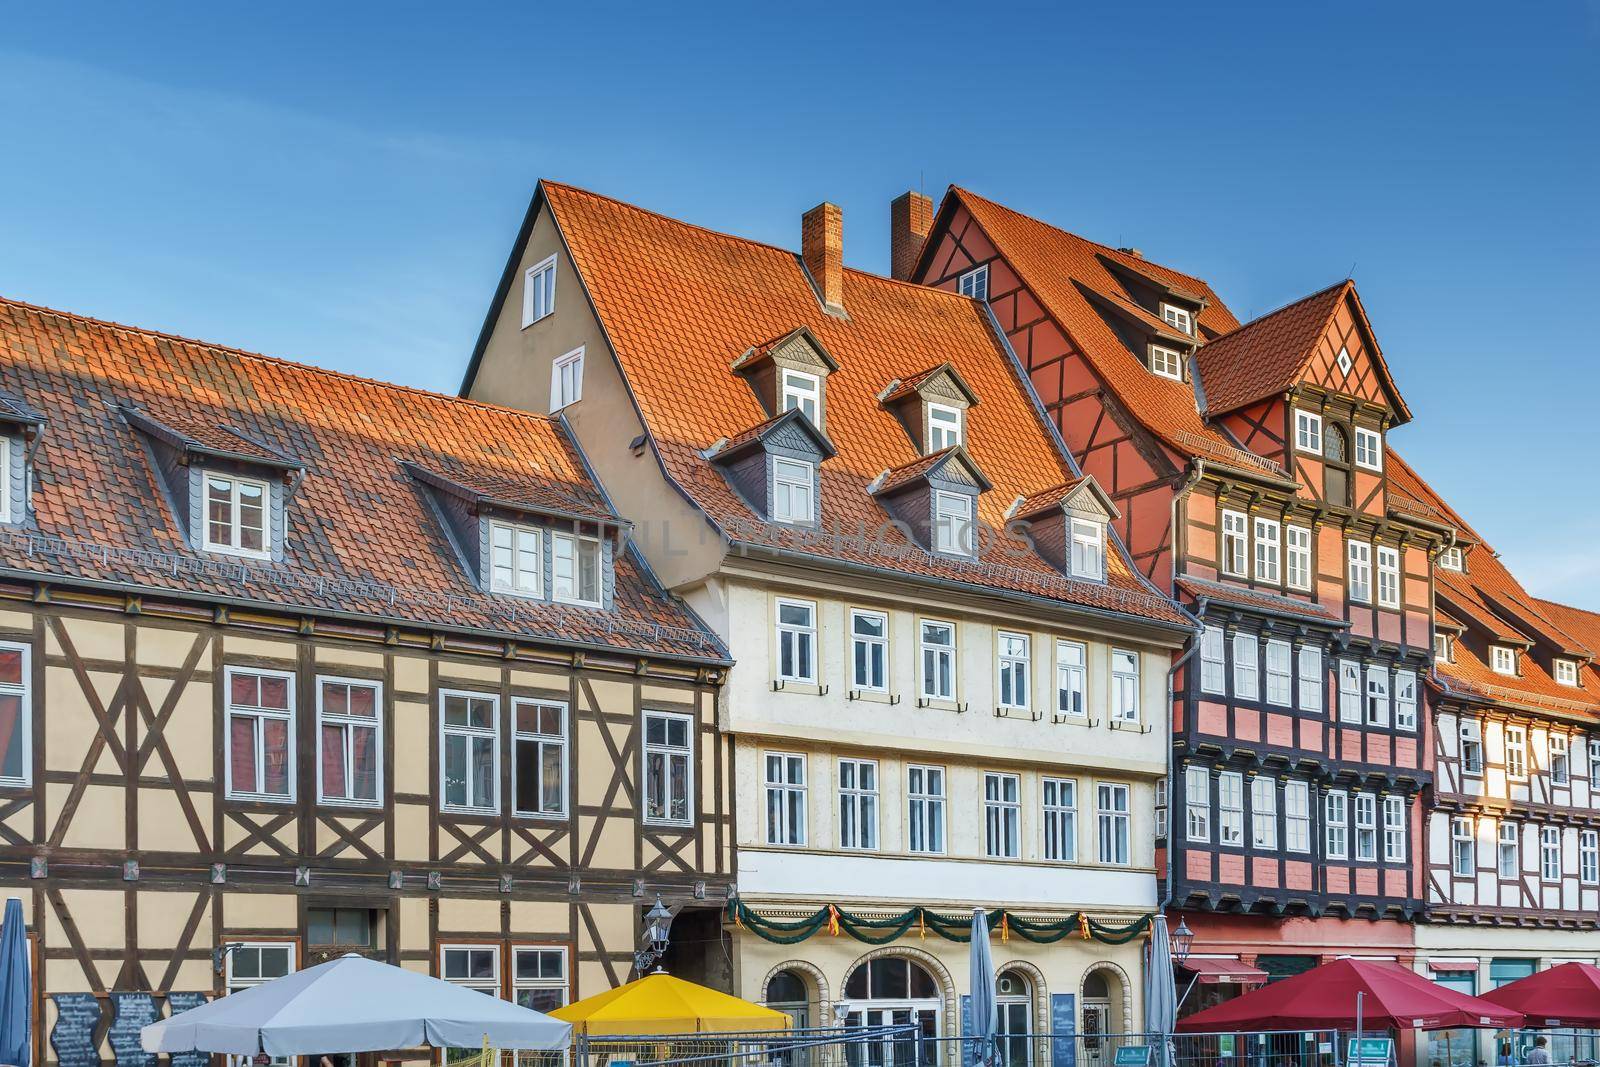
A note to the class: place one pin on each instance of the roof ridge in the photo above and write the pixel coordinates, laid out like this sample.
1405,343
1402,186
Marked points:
378,383
1564,604
1281,308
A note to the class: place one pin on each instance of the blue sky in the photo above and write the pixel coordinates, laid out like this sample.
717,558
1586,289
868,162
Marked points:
339,184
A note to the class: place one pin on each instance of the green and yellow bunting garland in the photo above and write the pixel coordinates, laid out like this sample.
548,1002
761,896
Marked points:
836,920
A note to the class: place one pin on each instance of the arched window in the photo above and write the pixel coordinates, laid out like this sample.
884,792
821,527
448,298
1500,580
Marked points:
787,992
1014,998
893,991
1336,465
890,978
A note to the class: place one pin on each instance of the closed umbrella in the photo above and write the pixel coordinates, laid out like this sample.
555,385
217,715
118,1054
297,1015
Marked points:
980,977
1160,993
16,990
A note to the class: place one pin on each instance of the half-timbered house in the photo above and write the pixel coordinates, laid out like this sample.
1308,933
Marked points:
1248,467
950,683
294,663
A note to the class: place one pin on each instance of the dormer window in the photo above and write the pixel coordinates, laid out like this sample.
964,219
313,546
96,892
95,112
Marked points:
8,445
975,283
516,559
1443,647
1178,318
575,563
1503,660
236,515
787,374
802,391
775,466
944,427
793,496
1567,671
1450,558
952,523
1088,549
1166,362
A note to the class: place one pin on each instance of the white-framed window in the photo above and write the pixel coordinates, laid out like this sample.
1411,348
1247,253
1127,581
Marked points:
1471,746
575,563
1088,549
938,660
349,741
797,641
925,801
516,559
1002,815
1124,685
801,390
1311,683
785,774
1297,816
1594,763
469,751
1589,856
1235,543
1377,695
1516,752
1405,699
1502,660
1394,829
539,758
1246,670
1369,449
1166,362
1560,765
1267,535
869,650
1178,318
1230,808
539,976
1567,671
975,283
1111,812
261,745
475,967
793,498
16,714
1298,554
1360,560
1263,812
1388,577
944,427
1072,678
1463,848
1509,852
668,768
858,803
1060,819
1161,809
1213,664
566,380
1450,558
1015,666
1280,682
236,516
1336,821
952,523
1197,802
1366,821
1349,691
253,963
538,291
1443,647
1550,853
1308,432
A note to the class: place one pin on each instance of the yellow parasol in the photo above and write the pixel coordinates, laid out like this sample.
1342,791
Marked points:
662,1004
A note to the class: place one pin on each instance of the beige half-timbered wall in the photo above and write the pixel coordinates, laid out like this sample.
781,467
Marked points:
133,865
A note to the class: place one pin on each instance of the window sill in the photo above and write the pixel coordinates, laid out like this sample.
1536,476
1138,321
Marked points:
259,798
1131,727
349,805
575,603
1074,720
537,321
789,685
662,824
940,705
1018,713
874,696
541,816
479,813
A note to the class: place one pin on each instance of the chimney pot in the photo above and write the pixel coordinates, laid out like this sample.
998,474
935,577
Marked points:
910,219
822,249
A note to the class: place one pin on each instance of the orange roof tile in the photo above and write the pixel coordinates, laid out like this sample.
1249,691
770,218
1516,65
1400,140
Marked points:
361,539
679,303
1267,355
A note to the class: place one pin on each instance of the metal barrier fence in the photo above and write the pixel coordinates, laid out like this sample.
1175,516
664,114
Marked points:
854,1046
1483,1048
1296,1048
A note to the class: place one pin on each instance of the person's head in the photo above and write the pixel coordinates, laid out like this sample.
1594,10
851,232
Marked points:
1539,1042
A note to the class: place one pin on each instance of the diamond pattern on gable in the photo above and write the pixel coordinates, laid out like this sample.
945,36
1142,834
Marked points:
1342,360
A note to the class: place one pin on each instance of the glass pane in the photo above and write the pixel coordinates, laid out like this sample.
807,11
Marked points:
333,763
455,963
11,666
794,614
364,760
483,772
455,769
550,720
246,963
242,753
243,690
275,692
363,701
275,758
320,926
11,754
550,798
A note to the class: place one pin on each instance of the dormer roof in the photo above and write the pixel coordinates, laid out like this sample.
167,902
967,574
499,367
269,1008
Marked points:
727,449
535,495
955,462
207,439
1138,317
1132,268
1078,496
940,383
15,411
798,345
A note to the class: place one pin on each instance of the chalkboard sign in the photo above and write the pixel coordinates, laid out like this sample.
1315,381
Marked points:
131,1012
1132,1056
1064,1030
77,1015
178,1002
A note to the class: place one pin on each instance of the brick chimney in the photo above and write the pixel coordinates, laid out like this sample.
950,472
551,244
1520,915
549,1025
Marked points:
822,249
910,219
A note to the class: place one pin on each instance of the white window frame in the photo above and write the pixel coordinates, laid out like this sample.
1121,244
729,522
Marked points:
1560,760
542,741
1405,700
948,538
1351,700
1213,660
259,715
538,298
1180,319
1002,815
23,691
1394,829
939,653
580,544
1377,695
794,480
1509,847
1550,853
1516,742
1072,678
1471,731
876,649
348,724
1369,449
1125,682
520,984
1263,812
1503,659
1246,666
1443,647
1230,809
1358,556
800,389
786,796
1308,432
566,380
1235,544
1269,548
1336,824
1297,816
1309,673
1297,557
1114,823
1161,809
1088,554
1589,857
1279,673
1013,669
863,801
1566,671
1166,362
975,282
1463,847
235,526
670,753
469,732
1197,802
946,427
1388,576
1450,558
1594,763
928,804
795,641
510,559
492,986
1366,826
1059,799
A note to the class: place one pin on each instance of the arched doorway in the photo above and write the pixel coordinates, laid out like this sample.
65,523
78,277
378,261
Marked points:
1014,998
788,992
1102,1013
893,991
